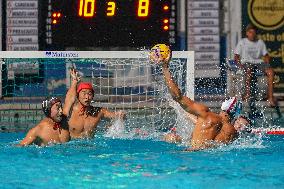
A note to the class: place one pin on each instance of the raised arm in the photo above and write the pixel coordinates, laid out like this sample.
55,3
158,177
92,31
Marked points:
192,118
30,137
71,93
186,103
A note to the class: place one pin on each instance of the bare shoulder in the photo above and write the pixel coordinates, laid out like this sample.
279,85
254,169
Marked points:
43,123
35,130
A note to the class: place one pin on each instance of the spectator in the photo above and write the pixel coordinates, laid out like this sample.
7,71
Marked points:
252,50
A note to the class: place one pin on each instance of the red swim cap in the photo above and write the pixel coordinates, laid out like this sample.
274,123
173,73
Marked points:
85,85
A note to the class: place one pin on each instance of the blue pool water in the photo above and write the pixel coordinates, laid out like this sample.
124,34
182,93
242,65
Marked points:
124,163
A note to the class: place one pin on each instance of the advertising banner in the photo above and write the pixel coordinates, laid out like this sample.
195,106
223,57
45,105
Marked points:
268,17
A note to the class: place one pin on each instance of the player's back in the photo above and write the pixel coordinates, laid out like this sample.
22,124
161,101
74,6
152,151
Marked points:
205,131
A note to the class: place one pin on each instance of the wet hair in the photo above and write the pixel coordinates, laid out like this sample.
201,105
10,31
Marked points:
47,104
250,27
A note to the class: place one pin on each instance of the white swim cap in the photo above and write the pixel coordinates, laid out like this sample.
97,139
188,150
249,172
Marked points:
229,105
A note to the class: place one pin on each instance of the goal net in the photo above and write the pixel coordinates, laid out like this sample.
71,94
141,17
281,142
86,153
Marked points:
123,80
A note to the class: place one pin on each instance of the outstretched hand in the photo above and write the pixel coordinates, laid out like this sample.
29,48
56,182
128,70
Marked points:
74,75
158,59
166,61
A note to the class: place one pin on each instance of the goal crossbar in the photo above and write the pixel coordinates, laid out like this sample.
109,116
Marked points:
188,55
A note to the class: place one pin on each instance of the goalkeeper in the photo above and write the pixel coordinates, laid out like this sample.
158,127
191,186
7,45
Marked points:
83,118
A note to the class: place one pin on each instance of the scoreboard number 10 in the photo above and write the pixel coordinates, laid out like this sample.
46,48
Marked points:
87,8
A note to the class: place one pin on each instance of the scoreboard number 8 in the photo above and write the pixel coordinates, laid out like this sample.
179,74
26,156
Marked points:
87,8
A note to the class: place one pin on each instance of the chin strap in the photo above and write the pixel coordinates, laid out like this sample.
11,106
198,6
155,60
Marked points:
173,129
57,126
83,109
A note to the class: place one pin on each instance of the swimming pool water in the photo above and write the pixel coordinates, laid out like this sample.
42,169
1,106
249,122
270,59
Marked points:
124,163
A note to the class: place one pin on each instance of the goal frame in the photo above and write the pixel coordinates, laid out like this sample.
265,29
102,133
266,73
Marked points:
188,55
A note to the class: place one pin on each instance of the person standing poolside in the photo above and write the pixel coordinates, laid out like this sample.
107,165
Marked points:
251,50
54,127
83,118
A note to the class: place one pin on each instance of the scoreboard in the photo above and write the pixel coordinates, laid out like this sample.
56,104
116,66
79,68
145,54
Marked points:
107,23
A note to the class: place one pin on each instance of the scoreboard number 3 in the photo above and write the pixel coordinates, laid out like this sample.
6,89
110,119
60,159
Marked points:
87,8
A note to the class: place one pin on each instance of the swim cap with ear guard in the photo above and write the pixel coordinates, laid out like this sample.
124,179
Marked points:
47,104
232,106
229,105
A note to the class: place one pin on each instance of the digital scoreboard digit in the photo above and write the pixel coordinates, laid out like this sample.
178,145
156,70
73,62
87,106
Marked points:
109,23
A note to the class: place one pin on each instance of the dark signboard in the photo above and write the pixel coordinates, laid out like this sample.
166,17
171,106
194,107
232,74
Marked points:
105,23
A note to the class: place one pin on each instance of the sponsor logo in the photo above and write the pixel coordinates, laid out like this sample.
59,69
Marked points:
266,14
61,54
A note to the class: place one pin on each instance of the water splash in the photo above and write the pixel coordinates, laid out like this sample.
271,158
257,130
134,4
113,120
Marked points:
116,130
184,126
119,130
